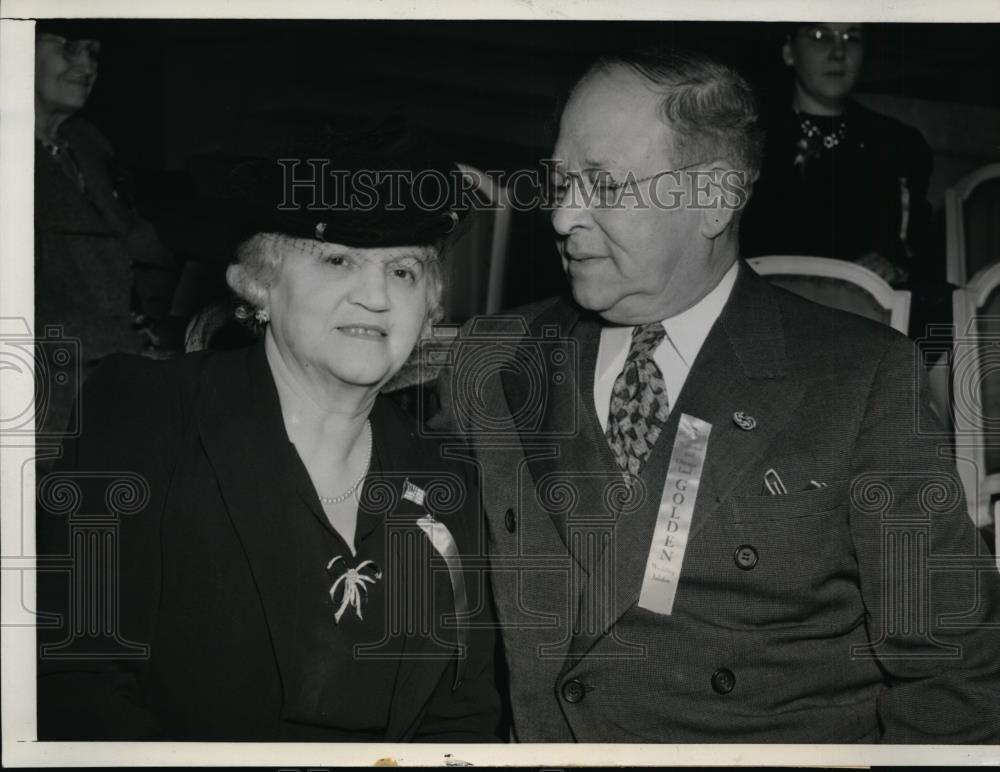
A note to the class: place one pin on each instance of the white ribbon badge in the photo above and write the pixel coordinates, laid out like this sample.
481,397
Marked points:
444,543
673,520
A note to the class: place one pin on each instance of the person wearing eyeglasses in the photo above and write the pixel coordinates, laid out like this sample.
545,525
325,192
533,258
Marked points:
711,514
103,277
840,180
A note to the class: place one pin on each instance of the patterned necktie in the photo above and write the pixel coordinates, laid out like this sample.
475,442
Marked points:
639,404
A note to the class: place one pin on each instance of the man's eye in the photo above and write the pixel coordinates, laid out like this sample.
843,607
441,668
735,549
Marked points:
557,190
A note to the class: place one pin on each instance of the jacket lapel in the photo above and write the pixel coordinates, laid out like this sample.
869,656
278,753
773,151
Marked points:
741,367
566,423
424,658
244,437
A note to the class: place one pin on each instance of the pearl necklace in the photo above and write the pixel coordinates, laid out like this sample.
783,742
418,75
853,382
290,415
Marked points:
330,500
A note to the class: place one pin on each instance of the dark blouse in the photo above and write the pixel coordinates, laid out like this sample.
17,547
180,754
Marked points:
857,185
333,687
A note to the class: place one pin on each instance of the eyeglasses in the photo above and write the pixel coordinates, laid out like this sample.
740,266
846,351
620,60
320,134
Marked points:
824,36
599,188
72,49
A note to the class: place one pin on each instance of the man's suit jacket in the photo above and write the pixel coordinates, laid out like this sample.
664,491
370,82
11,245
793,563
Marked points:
182,464
853,612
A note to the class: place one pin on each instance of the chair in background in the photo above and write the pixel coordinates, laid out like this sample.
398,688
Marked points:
850,287
214,327
839,284
477,257
976,394
972,222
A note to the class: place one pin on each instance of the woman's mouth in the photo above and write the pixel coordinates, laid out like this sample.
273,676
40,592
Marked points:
364,331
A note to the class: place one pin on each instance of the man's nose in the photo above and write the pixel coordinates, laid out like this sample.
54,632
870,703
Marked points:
571,213
838,50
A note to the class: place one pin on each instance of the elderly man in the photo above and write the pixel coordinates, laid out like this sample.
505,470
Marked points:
712,515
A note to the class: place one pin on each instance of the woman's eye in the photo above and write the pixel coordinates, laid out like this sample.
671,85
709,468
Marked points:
405,274
336,260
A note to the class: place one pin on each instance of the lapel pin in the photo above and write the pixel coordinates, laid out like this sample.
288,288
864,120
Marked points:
413,493
746,422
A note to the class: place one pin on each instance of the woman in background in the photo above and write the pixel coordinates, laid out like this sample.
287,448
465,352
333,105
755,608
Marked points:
103,278
840,180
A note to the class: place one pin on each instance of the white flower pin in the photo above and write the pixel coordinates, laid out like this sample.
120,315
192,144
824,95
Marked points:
353,581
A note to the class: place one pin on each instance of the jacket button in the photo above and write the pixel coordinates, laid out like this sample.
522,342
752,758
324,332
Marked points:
745,556
573,691
723,681
509,520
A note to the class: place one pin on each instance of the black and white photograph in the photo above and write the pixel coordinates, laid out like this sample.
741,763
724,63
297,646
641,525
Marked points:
508,385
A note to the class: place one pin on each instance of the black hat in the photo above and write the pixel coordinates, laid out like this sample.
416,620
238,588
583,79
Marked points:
72,29
373,188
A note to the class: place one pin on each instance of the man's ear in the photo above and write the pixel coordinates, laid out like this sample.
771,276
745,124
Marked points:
714,200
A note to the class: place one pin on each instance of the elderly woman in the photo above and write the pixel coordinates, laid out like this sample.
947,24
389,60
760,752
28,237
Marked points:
103,277
294,557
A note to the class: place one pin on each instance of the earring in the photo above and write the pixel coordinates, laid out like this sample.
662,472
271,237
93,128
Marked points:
262,316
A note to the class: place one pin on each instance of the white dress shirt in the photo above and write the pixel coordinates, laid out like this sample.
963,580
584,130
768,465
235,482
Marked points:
686,334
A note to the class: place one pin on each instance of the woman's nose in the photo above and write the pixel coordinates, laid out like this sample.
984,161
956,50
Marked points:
838,50
81,54
84,61
371,289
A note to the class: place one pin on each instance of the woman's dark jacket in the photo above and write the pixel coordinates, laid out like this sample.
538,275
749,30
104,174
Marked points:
184,477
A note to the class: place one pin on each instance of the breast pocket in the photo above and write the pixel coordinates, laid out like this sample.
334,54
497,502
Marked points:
790,506
788,559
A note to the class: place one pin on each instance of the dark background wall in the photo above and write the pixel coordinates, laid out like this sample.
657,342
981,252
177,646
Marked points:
176,95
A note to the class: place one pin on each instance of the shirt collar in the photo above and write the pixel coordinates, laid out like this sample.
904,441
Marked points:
688,330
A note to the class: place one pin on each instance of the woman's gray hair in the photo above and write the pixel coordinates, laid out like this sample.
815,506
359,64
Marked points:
258,265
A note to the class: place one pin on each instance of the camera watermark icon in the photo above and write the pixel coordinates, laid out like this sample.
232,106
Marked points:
42,380
971,359
502,380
